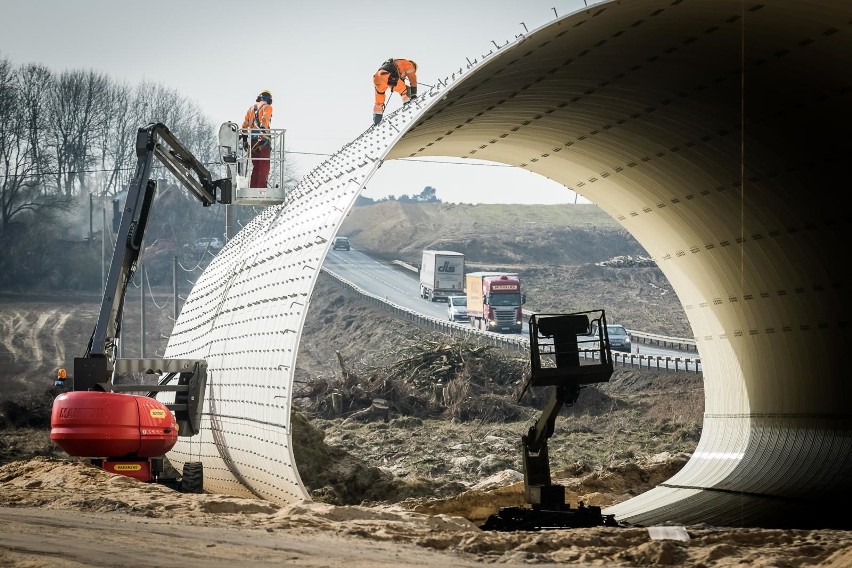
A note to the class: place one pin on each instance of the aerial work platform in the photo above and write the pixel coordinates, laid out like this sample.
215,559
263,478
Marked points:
238,158
566,355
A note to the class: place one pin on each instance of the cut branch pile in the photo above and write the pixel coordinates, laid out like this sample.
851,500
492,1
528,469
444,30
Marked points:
429,377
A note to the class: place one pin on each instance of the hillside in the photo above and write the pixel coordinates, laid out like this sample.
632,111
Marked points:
508,235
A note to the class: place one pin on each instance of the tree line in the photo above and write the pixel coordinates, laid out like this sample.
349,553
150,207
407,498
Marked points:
428,195
67,154
67,150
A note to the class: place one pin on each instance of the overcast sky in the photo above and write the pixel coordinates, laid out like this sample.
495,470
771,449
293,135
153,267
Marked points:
317,57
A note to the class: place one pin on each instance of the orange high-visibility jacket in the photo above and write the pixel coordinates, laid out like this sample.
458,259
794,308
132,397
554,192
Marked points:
258,118
395,77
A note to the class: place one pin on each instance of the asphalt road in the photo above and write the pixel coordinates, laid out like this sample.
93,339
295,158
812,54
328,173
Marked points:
401,286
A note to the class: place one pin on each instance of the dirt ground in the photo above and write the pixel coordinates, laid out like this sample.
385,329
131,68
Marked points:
411,490
59,513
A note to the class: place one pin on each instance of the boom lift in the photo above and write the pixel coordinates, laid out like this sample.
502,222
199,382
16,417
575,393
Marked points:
125,433
557,342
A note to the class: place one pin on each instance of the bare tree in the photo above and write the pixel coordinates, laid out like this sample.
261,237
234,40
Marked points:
33,83
66,136
76,109
123,117
19,158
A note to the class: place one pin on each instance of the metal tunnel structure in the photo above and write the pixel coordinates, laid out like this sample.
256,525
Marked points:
715,132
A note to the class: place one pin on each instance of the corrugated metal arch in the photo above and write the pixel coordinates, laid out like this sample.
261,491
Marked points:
707,129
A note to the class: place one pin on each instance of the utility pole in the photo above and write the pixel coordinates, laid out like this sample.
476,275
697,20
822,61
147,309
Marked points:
142,308
103,250
91,215
229,222
174,286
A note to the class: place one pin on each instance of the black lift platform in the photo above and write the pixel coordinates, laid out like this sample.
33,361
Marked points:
566,355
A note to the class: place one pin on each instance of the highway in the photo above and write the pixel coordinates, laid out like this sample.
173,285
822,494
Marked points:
394,285
401,287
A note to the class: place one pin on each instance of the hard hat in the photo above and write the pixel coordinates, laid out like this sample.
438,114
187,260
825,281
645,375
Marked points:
266,92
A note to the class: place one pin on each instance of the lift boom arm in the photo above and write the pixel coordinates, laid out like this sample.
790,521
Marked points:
555,340
152,141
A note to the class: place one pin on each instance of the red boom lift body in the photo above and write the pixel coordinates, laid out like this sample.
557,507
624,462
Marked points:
122,432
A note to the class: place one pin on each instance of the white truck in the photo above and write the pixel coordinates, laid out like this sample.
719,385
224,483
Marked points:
441,274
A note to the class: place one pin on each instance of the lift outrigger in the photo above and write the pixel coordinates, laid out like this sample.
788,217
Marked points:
566,356
99,419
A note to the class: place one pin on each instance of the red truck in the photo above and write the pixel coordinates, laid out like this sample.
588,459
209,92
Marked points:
494,301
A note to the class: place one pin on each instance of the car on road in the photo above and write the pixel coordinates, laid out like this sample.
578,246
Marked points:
457,308
619,337
341,243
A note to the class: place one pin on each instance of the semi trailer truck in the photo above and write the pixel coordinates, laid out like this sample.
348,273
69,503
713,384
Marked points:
441,274
494,301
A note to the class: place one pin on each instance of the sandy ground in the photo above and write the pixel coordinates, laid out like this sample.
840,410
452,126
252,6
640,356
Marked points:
61,513
58,512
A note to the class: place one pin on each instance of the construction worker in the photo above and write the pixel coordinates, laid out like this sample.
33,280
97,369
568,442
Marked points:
258,119
393,74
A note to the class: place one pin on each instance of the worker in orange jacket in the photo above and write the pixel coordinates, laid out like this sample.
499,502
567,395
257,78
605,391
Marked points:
258,119
394,74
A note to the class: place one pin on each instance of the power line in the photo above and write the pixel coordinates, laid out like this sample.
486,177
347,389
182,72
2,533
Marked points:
111,170
455,163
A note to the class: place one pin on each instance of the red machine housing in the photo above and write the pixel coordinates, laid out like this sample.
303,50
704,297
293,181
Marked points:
112,425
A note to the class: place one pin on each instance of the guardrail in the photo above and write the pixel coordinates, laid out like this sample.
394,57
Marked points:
680,343
504,341
406,266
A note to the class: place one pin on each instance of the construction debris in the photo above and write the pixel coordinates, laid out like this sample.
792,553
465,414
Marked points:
435,376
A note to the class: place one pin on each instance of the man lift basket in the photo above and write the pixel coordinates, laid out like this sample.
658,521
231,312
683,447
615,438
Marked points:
238,160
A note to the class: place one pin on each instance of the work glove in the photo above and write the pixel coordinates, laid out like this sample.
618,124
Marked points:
377,118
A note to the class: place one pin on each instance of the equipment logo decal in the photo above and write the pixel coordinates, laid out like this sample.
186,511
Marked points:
158,413
127,467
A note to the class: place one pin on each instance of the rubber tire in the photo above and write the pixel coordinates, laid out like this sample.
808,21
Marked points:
192,480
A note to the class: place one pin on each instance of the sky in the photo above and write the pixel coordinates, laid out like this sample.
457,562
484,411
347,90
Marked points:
316,57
